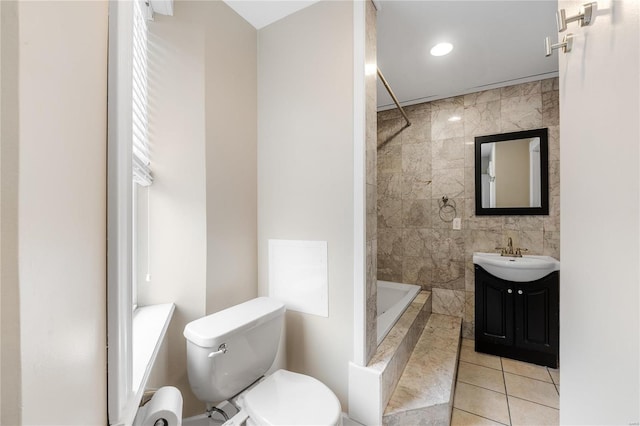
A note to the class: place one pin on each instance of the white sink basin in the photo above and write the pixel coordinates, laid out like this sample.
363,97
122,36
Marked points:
519,269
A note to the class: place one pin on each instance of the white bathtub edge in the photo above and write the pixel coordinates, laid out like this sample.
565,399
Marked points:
386,321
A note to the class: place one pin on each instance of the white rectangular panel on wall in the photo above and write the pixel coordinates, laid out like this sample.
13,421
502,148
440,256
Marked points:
298,275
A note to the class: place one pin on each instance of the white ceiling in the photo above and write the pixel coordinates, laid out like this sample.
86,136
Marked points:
496,43
261,13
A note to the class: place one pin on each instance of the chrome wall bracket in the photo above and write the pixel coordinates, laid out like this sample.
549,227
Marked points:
565,45
584,16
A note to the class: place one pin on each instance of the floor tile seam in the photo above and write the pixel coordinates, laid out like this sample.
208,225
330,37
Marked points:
553,380
527,377
475,363
504,382
549,374
482,387
478,415
528,400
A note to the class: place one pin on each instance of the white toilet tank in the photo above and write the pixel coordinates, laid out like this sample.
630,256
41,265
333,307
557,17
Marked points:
250,333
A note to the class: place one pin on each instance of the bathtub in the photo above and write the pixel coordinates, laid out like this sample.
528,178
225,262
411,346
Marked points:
393,299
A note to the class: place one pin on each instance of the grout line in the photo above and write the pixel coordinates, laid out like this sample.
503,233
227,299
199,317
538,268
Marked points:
479,365
504,382
533,402
525,399
490,390
478,415
502,368
482,387
550,376
475,363
527,377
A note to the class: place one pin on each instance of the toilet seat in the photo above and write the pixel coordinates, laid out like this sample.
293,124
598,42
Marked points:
287,398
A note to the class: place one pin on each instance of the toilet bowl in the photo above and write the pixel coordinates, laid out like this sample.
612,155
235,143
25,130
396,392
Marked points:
227,352
287,398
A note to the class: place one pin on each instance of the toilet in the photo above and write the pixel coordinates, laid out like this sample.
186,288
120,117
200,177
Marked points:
228,354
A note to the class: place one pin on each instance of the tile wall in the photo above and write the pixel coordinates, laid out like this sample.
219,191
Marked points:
371,172
434,157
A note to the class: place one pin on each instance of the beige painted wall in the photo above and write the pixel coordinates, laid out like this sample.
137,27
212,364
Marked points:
203,142
231,154
305,172
177,199
10,385
62,211
0,214
512,173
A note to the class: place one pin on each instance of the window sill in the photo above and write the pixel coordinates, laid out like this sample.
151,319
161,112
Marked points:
150,324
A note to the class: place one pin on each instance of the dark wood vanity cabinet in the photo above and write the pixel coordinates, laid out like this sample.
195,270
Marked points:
518,320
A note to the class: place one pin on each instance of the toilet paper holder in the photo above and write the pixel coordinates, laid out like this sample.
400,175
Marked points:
163,409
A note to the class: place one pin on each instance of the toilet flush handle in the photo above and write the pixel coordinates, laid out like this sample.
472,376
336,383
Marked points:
222,349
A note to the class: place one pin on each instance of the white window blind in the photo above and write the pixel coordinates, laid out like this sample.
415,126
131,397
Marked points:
141,157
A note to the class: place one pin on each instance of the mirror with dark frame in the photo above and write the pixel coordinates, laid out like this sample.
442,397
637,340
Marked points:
511,173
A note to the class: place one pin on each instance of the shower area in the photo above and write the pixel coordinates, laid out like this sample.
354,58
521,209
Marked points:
421,229
426,232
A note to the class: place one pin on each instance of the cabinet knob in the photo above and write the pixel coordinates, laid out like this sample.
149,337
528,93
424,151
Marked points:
509,291
519,291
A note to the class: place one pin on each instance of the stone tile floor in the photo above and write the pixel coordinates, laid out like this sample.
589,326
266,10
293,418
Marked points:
492,390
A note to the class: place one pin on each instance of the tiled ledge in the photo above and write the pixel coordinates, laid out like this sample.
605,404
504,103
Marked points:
394,351
371,387
427,385
401,330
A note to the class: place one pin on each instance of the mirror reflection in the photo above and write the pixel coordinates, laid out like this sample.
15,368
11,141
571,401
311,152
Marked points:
511,173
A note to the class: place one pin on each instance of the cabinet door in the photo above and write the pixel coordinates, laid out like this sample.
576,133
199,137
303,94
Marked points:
537,314
494,309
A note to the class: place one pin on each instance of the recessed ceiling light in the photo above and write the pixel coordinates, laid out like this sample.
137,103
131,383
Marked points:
441,49
455,118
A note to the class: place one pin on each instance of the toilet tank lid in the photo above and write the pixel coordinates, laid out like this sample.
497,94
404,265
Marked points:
211,330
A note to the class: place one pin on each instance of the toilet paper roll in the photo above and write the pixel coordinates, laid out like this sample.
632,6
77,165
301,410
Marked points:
164,408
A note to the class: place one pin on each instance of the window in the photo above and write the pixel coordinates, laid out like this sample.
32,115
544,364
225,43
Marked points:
141,163
128,169
141,158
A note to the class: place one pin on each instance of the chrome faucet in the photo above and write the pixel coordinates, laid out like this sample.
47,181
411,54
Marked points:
509,251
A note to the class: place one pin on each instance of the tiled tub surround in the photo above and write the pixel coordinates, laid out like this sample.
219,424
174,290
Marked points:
433,157
424,395
371,172
371,387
